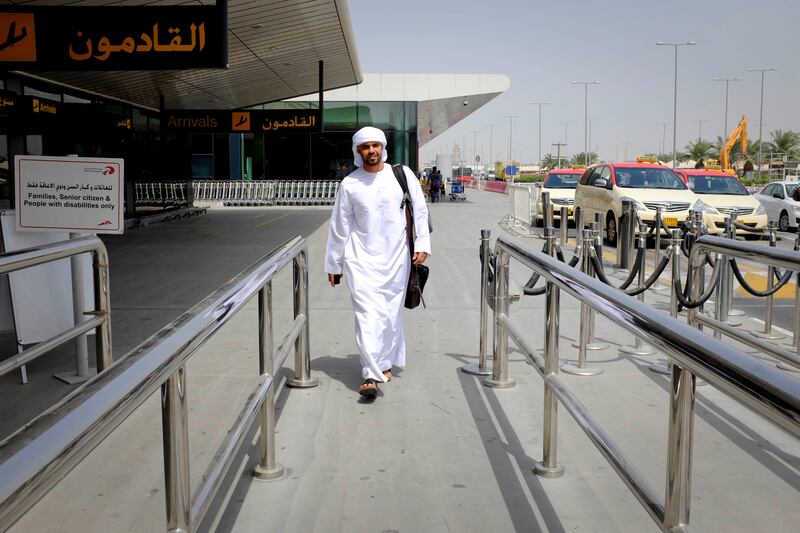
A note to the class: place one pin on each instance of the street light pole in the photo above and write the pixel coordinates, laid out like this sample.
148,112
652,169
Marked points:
700,131
663,135
491,138
586,116
510,132
727,83
761,112
540,104
590,131
675,99
565,130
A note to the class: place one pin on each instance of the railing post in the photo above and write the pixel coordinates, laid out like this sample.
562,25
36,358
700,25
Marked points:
578,226
564,227
499,378
663,367
592,343
657,248
302,352
622,235
768,333
482,369
639,348
102,303
731,311
585,327
548,466
547,210
679,450
176,452
267,468
724,296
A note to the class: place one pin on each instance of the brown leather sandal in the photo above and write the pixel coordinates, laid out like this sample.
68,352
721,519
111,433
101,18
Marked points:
388,375
369,388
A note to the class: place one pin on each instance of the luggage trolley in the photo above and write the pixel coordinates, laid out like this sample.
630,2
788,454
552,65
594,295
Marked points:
457,191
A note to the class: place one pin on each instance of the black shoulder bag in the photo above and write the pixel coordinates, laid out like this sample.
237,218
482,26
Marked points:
418,275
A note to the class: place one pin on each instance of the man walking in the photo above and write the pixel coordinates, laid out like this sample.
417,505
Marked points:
368,244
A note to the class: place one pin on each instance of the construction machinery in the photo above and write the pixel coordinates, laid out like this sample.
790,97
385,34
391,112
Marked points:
739,133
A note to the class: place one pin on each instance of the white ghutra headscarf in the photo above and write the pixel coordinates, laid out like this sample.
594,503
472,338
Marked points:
364,135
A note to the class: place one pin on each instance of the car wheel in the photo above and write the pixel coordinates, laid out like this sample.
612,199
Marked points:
783,221
611,229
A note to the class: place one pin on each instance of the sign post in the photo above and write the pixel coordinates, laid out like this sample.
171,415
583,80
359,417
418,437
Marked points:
75,195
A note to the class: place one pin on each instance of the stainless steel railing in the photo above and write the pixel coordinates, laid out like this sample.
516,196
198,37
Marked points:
764,255
759,386
101,321
39,455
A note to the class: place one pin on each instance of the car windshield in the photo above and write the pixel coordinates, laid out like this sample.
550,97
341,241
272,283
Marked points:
562,181
709,184
648,178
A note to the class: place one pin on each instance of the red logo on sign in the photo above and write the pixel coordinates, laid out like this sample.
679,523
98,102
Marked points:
108,170
105,223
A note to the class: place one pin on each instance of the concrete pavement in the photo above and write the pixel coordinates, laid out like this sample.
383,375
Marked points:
437,451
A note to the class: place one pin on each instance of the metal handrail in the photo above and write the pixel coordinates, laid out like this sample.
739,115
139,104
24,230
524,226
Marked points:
759,386
46,253
764,255
35,458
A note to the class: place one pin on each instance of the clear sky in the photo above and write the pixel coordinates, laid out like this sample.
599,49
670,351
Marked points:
544,46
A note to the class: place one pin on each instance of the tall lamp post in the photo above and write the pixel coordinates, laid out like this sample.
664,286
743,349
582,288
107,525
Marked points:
491,138
700,131
565,124
586,116
540,104
590,132
510,132
663,135
761,112
675,99
727,83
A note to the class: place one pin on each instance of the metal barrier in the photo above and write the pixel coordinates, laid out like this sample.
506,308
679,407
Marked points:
760,387
771,256
101,314
238,193
520,212
39,455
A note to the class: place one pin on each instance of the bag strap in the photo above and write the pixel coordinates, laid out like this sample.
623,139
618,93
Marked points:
400,174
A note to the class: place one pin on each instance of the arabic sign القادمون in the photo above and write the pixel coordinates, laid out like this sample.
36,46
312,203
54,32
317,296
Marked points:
114,38
255,121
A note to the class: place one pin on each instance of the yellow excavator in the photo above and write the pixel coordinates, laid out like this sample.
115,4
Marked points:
738,133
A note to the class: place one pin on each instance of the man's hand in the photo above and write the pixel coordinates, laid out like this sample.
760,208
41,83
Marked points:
419,257
330,280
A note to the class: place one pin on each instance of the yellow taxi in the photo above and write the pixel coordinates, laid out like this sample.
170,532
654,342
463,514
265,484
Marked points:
560,183
648,184
724,193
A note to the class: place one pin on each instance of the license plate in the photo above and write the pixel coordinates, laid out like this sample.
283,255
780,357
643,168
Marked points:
672,222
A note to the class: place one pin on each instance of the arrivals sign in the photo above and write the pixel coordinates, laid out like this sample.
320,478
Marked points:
74,194
278,121
114,38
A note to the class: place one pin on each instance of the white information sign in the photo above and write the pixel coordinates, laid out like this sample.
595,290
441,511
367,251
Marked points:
74,194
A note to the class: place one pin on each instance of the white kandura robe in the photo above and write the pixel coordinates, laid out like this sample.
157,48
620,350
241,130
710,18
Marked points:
367,242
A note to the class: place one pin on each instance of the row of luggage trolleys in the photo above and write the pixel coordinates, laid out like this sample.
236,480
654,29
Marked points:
161,193
266,192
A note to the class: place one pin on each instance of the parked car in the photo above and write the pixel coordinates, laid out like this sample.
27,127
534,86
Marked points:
776,198
726,194
491,176
648,184
560,183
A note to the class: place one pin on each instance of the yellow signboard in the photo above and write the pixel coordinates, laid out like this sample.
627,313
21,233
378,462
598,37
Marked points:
17,37
240,121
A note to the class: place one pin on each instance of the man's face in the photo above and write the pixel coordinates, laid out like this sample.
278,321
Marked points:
371,152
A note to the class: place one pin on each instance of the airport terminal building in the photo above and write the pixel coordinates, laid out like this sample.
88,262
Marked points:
177,124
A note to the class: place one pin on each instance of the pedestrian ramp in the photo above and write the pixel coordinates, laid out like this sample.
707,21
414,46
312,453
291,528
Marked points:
243,415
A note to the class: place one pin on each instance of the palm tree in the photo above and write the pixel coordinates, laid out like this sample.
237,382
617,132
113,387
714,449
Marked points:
784,142
580,158
551,161
698,150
